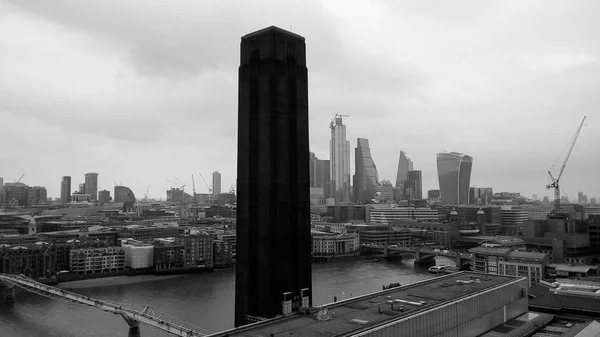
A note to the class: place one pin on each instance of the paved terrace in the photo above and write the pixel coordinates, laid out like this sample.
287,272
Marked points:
354,315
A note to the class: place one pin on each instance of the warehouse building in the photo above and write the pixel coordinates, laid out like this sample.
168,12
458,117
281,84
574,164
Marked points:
461,304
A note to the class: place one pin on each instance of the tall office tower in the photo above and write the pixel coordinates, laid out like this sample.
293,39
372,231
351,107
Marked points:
273,268
216,183
1,190
319,174
433,195
103,197
415,181
339,161
366,179
123,194
454,174
37,195
480,195
81,188
65,189
404,166
91,185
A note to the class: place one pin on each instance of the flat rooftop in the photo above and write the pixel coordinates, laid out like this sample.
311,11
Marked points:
355,314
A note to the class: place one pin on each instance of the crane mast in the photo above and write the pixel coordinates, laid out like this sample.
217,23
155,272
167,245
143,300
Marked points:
195,200
21,177
554,183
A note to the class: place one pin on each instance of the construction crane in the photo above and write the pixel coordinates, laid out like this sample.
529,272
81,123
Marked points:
171,183
553,181
195,200
21,177
332,123
146,194
205,183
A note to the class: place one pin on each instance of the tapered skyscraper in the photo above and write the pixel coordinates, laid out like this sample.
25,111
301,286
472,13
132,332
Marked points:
404,166
454,174
366,178
339,163
273,268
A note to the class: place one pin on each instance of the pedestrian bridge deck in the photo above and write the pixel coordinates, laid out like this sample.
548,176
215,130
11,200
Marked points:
132,316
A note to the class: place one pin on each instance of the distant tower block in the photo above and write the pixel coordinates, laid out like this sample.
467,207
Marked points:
216,181
273,268
91,185
65,189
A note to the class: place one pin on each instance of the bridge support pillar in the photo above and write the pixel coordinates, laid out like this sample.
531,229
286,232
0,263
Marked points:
7,293
424,263
134,332
134,326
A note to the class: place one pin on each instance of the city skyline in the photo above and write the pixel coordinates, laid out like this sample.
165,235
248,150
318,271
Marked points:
492,83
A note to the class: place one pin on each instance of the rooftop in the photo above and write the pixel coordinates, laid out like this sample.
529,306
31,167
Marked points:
506,251
572,268
272,29
363,312
503,240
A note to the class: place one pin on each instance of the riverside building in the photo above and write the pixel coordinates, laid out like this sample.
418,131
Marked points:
505,261
461,304
97,260
273,267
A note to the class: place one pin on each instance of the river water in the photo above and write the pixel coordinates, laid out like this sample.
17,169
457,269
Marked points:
203,300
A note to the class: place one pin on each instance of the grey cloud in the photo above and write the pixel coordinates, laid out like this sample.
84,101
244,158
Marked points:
180,39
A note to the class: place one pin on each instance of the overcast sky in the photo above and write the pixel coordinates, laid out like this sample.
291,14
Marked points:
141,91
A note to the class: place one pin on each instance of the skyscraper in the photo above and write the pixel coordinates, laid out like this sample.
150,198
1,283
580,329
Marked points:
339,160
415,181
81,189
366,178
103,197
37,195
123,194
216,183
320,174
454,174
65,189
404,165
273,268
1,190
91,185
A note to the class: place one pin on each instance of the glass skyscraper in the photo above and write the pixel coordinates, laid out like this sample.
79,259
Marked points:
216,183
454,174
340,161
365,176
65,189
91,185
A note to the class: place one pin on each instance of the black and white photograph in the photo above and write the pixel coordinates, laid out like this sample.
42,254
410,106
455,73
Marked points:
299,168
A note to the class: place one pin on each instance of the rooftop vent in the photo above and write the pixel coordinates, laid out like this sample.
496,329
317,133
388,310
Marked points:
359,321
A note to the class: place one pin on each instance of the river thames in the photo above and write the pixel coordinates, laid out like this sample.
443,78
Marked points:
202,300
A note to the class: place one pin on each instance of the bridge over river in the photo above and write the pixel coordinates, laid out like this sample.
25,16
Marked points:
132,316
422,255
